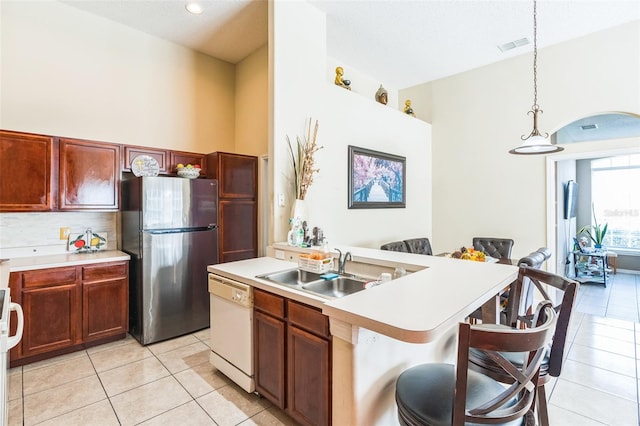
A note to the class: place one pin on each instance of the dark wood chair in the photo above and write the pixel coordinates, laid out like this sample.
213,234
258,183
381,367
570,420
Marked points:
444,394
552,363
535,260
395,246
499,248
419,246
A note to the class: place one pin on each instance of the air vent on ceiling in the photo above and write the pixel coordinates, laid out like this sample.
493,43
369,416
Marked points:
589,127
513,44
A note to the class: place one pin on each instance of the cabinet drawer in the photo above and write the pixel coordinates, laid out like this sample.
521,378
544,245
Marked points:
269,303
49,277
103,272
308,318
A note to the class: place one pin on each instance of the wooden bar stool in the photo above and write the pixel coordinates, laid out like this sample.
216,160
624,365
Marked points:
444,394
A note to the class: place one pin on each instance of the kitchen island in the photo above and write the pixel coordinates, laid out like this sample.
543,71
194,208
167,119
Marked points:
380,332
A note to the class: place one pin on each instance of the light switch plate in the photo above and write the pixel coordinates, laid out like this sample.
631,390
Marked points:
64,232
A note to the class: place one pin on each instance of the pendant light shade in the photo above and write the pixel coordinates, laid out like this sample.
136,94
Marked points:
536,142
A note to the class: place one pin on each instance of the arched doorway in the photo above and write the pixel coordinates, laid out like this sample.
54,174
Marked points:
614,134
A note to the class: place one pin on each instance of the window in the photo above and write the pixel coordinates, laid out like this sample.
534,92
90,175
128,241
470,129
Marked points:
616,199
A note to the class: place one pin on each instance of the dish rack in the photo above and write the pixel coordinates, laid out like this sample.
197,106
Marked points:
319,266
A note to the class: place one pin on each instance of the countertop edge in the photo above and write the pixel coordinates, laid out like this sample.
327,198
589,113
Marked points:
20,264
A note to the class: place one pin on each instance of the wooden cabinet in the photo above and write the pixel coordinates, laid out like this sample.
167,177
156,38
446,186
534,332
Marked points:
131,152
105,293
238,229
26,175
237,177
178,157
237,174
50,300
68,308
89,175
292,355
269,343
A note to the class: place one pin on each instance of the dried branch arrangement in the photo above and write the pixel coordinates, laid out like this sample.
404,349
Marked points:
303,162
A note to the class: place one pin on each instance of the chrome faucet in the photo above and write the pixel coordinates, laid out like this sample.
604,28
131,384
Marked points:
342,260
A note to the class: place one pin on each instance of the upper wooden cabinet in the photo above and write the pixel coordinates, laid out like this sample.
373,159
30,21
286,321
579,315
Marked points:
131,152
89,175
237,174
26,179
237,177
178,157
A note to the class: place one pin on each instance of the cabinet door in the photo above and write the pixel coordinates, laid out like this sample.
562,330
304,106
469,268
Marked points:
269,357
51,305
105,292
309,371
237,174
26,172
131,152
185,158
238,230
89,175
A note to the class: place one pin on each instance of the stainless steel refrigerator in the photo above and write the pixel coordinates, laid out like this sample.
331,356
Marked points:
169,228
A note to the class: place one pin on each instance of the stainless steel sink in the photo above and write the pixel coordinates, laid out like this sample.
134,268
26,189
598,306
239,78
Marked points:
312,282
296,277
337,287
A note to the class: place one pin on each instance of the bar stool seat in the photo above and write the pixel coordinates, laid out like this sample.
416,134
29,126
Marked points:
438,394
424,392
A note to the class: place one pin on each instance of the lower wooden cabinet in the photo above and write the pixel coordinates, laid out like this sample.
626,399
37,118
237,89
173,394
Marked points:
68,308
292,357
269,358
105,296
50,300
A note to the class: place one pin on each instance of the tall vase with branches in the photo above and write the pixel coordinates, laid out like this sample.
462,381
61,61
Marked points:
302,160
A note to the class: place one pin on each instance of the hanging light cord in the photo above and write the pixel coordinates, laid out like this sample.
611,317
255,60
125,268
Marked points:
535,109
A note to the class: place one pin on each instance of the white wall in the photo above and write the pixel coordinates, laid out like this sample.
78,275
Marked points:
66,72
302,88
477,116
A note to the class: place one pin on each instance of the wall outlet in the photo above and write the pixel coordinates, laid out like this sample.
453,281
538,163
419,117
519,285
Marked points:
64,233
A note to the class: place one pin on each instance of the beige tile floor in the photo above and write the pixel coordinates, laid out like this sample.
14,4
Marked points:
172,382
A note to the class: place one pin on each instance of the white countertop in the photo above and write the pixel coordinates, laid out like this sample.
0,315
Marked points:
67,259
416,308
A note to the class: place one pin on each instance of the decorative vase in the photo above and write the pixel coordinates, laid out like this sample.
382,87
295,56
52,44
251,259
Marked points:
299,210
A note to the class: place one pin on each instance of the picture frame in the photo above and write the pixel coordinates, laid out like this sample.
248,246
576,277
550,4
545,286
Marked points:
376,179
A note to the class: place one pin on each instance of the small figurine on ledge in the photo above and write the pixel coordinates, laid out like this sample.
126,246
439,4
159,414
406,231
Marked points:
407,108
340,81
381,95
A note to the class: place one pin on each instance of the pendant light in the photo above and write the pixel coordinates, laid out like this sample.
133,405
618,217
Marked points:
536,142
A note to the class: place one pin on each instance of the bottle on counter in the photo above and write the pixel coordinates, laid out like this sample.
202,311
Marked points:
295,237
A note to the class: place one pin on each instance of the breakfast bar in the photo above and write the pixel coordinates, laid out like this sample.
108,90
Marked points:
380,332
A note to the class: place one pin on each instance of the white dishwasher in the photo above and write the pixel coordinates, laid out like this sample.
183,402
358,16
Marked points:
231,311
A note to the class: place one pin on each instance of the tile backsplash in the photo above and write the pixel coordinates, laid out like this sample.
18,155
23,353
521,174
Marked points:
32,234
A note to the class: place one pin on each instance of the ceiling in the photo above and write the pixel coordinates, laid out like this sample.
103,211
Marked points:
400,42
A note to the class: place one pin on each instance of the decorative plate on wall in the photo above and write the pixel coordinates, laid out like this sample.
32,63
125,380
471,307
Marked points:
145,165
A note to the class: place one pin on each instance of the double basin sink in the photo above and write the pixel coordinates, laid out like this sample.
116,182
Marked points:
339,286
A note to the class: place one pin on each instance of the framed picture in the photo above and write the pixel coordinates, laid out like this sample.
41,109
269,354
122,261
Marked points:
376,180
